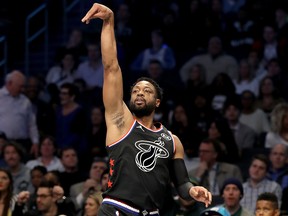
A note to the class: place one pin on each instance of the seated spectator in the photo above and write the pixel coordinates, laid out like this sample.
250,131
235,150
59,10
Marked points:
13,157
244,136
210,173
232,192
50,201
257,183
91,69
64,71
268,97
43,111
215,61
70,120
251,116
7,197
246,79
72,173
79,191
158,50
278,169
92,205
47,156
267,202
220,132
37,176
221,89
279,126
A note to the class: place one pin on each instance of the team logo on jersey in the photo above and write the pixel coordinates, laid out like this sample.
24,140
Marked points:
146,158
166,137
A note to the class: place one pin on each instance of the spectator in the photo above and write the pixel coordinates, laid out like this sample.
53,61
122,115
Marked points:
210,173
158,50
64,71
269,96
267,203
48,157
18,121
215,61
244,136
81,190
246,79
215,211
13,156
3,140
278,169
91,69
70,120
232,192
72,173
43,111
257,183
220,132
251,116
279,126
92,205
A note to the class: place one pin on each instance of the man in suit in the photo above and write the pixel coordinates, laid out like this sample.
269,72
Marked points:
79,191
210,173
245,136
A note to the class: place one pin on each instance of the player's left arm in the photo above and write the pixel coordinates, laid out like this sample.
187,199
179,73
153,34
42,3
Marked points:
181,180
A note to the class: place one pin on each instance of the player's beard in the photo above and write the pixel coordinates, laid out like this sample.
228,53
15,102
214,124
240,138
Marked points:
142,111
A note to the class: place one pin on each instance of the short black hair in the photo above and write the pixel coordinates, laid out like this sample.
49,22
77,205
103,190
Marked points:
40,168
263,158
271,197
159,90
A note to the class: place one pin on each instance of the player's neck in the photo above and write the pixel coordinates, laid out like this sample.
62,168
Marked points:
147,121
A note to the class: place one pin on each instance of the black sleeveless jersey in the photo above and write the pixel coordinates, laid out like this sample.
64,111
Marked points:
139,166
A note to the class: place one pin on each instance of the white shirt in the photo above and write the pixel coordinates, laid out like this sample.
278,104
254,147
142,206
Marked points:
55,164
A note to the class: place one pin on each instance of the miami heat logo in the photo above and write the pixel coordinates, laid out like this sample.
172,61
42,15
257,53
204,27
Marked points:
146,158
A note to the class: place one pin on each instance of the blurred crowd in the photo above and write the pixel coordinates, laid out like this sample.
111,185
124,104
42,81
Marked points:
223,67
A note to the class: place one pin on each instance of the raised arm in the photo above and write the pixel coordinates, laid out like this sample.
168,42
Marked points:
113,84
118,117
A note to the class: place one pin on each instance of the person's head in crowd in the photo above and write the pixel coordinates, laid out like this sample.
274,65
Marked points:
267,87
69,61
208,151
3,140
6,190
279,118
273,67
15,83
258,168
69,159
157,38
155,69
197,74
80,84
215,46
278,156
267,205
53,176
222,84
232,192
92,205
13,153
269,34
32,88
45,200
231,110
105,179
97,116
245,71
47,147
37,175
68,93
247,99
97,168
94,51
215,211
